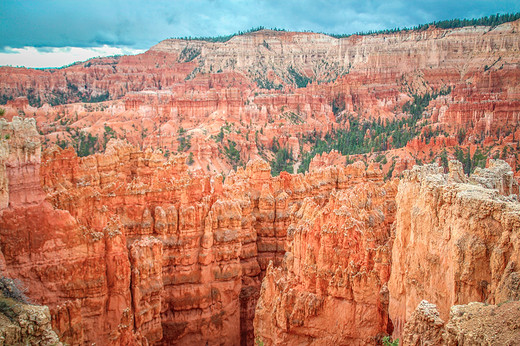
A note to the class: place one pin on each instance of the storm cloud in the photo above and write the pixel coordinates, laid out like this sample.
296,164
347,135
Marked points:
140,24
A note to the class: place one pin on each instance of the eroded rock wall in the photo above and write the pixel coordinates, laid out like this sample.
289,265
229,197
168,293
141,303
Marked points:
331,286
342,280
135,243
26,324
129,247
456,240
472,324
255,86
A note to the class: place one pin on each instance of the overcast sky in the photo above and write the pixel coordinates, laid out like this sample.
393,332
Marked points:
50,33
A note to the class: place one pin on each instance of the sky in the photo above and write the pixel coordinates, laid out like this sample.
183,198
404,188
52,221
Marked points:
53,33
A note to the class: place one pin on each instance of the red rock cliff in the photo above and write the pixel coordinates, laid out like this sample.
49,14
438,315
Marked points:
159,254
456,240
135,240
331,287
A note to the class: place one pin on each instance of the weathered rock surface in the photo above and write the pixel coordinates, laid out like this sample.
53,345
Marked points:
20,152
331,287
471,324
174,253
424,327
456,240
153,252
129,247
29,325
83,275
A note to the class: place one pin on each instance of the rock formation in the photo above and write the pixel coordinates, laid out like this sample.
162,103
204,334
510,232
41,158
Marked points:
455,242
63,263
331,287
267,85
456,239
166,236
163,255
471,324
30,326
22,323
159,254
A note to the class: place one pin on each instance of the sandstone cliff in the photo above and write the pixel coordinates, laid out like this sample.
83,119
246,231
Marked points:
22,323
456,239
455,242
331,287
61,262
31,326
130,247
155,252
170,251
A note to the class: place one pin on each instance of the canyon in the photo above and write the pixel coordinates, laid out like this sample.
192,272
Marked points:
230,102
157,253
162,255
154,199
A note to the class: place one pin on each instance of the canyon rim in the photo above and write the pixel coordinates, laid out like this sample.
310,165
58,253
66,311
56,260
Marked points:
271,187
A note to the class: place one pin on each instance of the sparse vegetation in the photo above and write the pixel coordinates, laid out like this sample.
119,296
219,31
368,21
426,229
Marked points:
390,171
13,289
338,104
232,154
372,136
188,54
444,160
283,160
470,163
264,83
299,79
33,98
493,20
184,140
109,133
190,159
4,98
83,143
12,294
362,137
224,38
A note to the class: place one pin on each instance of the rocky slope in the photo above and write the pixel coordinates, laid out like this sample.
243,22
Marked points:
471,324
60,262
456,239
22,323
159,254
30,326
162,255
343,281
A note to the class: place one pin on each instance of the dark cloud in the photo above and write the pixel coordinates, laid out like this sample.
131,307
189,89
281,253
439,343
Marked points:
141,24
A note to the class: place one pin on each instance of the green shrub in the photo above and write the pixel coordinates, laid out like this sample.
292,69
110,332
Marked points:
387,341
190,159
492,21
